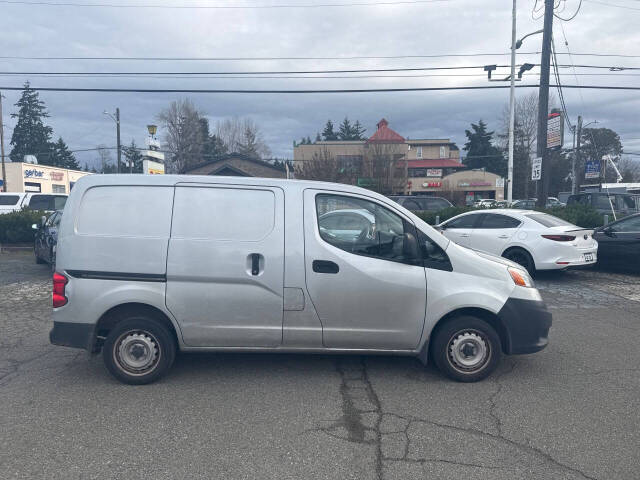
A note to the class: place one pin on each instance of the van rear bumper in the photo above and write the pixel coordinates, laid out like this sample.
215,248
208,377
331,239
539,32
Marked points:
76,335
527,324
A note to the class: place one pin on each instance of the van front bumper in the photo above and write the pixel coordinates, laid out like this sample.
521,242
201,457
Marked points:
76,335
527,324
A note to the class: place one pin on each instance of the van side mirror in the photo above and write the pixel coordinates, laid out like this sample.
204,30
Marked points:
410,247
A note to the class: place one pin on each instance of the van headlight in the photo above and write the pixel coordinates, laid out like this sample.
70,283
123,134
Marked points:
520,277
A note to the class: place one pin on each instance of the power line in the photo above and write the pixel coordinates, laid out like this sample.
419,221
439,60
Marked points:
297,72
559,85
357,90
260,59
572,16
222,7
612,5
316,77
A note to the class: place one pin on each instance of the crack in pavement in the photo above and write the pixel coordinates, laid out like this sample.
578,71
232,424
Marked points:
364,421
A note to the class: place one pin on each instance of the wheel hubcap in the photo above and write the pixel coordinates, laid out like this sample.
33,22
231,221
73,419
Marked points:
137,352
468,351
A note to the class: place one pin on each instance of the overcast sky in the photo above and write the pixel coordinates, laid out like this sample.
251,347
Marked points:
441,27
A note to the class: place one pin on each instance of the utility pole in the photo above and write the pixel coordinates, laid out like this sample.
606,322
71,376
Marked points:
512,106
576,157
118,136
4,171
543,102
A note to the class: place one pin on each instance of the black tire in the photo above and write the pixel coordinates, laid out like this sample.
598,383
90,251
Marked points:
136,335
475,334
521,257
39,261
52,259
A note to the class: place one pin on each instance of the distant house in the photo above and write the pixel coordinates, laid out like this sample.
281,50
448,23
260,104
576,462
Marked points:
237,165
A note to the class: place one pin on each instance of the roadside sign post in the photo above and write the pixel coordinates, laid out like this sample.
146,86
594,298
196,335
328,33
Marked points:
536,168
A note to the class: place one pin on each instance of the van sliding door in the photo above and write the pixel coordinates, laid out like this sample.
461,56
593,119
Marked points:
225,268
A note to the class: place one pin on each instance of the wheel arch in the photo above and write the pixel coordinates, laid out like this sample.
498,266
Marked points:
520,247
114,315
484,314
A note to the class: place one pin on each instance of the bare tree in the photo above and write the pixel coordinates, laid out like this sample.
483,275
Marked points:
183,135
104,159
629,169
322,166
242,135
385,165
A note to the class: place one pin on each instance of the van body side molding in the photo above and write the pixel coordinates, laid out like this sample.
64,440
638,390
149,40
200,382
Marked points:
131,277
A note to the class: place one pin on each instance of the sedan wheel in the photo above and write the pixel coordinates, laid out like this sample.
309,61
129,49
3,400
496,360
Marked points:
521,257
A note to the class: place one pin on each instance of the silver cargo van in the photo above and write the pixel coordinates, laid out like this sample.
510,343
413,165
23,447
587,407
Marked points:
149,265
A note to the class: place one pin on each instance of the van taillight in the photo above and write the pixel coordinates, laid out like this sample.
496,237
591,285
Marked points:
59,283
560,238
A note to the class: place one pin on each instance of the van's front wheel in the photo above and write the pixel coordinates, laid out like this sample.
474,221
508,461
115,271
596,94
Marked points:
138,350
466,349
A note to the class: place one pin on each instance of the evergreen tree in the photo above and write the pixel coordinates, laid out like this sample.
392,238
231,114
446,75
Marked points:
31,136
213,147
346,131
358,131
61,156
133,156
328,134
318,138
249,144
481,152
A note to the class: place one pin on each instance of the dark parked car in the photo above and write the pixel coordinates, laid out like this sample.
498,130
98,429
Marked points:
46,238
623,203
619,244
528,204
415,203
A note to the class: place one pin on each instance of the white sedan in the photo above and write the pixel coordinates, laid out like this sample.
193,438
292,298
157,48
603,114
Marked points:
535,240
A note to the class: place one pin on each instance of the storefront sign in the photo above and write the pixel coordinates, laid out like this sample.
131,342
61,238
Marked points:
555,131
434,172
474,184
57,176
33,173
432,184
149,167
592,169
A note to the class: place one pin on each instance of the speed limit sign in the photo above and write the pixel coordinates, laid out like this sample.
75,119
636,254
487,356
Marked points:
536,168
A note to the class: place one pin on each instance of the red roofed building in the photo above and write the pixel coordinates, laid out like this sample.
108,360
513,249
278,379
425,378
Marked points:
386,162
385,135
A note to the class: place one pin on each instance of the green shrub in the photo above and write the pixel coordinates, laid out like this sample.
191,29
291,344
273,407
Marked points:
444,214
15,227
584,216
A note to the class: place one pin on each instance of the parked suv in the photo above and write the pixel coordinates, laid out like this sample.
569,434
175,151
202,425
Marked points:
48,202
46,237
622,203
417,203
151,264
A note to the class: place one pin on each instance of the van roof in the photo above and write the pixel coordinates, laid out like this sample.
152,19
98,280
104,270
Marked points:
170,180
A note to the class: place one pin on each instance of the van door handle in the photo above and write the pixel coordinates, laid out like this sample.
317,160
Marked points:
255,264
464,235
503,236
325,266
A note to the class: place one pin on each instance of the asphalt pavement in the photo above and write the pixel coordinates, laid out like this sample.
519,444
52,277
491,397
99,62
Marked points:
571,411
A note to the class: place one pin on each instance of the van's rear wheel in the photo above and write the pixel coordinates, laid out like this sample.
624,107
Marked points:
466,349
138,350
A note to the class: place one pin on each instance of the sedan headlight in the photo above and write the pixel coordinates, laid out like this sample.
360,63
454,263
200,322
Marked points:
520,277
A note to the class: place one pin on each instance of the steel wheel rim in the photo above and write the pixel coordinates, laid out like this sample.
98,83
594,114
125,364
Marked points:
469,351
137,352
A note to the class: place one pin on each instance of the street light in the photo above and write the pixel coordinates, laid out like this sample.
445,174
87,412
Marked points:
515,44
117,120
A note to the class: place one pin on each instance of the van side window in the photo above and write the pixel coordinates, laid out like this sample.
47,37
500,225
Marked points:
363,228
433,256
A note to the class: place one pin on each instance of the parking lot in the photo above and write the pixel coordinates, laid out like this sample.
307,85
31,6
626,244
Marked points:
569,412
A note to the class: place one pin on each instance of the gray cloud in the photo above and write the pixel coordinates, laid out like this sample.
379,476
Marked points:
458,26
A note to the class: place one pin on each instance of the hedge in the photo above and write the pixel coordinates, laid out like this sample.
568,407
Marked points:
15,227
582,215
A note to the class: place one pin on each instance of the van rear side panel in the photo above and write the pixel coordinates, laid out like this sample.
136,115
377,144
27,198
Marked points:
118,229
